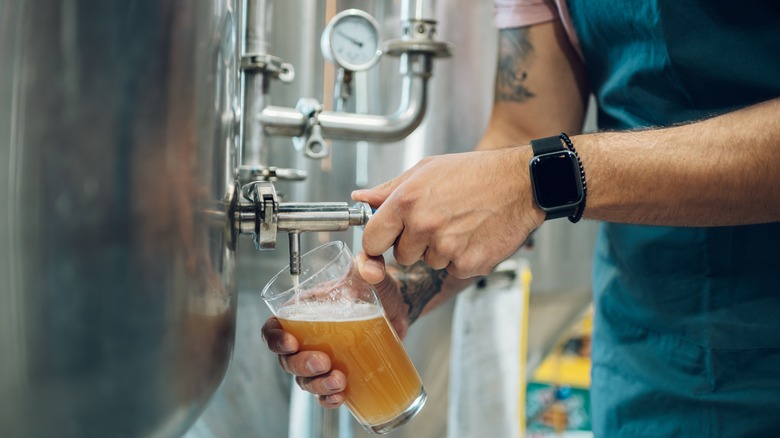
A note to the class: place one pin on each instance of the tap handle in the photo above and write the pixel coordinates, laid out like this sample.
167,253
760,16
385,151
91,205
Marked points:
360,213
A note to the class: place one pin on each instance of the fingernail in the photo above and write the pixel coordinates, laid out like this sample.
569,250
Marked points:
333,399
374,266
314,365
284,347
331,384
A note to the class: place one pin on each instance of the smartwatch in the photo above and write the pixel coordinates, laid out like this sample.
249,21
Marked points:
555,178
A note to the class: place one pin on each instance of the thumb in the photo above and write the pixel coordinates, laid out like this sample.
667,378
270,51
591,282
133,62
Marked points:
377,195
371,268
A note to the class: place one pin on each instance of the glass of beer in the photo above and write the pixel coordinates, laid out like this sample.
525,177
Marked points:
330,308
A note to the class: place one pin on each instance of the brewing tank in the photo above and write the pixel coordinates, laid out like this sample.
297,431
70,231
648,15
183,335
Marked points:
117,293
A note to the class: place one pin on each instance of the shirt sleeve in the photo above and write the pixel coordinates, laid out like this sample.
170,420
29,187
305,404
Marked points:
518,13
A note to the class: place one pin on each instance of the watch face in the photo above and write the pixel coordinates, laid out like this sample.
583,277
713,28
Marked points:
556,181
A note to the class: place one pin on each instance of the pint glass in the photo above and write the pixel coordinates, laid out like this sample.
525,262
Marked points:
330,308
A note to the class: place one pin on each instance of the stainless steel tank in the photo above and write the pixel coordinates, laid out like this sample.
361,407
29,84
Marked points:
117,296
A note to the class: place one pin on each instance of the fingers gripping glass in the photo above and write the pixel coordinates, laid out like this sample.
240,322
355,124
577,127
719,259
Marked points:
330,308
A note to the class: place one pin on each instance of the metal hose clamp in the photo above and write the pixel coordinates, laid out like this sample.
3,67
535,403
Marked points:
311,142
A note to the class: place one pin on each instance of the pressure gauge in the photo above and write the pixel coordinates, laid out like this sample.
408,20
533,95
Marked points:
351,40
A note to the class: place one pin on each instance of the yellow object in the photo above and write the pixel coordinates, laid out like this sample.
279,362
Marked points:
525,289
560,369
568,369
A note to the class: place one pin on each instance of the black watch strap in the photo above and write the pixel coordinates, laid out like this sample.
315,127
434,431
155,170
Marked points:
560,213
547,145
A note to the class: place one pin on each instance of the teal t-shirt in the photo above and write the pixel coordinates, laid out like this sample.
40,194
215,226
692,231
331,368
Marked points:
687,324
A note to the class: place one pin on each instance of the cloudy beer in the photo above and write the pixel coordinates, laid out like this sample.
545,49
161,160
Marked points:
329,307
382,384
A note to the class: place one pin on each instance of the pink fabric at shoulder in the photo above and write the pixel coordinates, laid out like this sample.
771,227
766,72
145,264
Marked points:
518,13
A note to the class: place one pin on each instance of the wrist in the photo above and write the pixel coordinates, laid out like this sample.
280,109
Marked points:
528,210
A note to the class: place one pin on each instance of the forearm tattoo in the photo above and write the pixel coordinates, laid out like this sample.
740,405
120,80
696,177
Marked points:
418,284
514,53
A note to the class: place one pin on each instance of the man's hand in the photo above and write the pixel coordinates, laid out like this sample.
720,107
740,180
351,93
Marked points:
312,369
463,212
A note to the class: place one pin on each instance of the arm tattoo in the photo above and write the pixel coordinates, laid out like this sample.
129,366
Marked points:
514,51
418,283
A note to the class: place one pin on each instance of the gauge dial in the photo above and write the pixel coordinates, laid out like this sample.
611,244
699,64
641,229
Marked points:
351,40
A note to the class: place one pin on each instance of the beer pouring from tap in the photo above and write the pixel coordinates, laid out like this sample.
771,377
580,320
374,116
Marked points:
330,306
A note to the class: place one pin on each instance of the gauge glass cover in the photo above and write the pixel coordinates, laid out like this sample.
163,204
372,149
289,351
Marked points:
351,40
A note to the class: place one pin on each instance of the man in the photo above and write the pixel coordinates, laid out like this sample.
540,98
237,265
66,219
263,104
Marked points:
684,176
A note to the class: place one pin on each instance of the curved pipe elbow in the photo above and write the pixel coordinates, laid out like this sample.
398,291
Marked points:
394,127
335,125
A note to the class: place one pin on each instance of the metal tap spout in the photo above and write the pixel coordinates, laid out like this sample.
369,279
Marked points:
261,214
295,218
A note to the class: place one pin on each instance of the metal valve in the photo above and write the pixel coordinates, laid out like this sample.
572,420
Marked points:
260,213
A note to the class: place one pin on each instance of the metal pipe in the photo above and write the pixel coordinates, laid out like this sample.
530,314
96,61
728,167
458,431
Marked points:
416,10
295,252
282,121
261,214
408,116
255,85
320,216
253,151
255,32
296,218
415,68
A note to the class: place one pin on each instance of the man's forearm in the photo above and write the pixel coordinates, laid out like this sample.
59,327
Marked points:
423,288
716,172
540,87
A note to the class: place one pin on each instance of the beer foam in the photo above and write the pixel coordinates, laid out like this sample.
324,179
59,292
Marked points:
330,311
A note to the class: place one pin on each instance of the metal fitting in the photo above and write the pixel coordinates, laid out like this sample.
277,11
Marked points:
260,213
